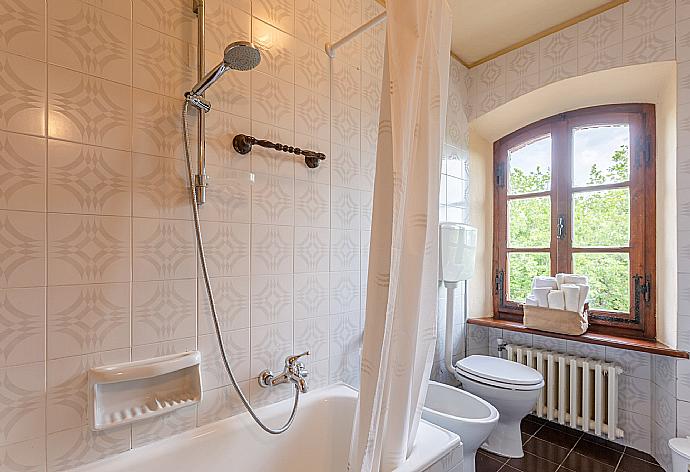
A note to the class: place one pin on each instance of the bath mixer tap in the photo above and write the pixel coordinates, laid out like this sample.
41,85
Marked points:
294,371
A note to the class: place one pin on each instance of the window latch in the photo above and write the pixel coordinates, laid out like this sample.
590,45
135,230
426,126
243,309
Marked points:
500,275
560,227
643,290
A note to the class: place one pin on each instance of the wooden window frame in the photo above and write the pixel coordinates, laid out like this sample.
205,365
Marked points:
642,184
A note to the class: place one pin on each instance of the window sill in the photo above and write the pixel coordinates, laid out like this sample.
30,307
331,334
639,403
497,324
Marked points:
619,342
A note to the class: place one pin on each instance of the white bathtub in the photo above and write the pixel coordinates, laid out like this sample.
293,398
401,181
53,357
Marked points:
318,441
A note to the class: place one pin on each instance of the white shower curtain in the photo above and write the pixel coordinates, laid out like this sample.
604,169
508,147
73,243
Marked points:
400,329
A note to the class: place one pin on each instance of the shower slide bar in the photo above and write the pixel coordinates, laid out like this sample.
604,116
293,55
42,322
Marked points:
243,144
331,48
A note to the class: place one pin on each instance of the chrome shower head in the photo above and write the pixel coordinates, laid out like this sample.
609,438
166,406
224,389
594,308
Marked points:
241,55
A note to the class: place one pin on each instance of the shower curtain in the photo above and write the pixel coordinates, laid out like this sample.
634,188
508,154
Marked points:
400,328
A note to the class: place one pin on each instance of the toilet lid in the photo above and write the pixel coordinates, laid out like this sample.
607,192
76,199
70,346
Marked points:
499,370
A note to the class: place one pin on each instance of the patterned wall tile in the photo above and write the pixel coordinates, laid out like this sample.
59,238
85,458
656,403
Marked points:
344,208
345,125
78,35
22,413
225,23
221,128
270,345
271,299
663,408
644,16
558,48
346,84
272,249
346,167
22,31
634,364
272,200
213,374
165,348
345,250
638,430
67,392
682,10
683,40
88,110
522,62
157,125
312,335
163,249
25,456
344,369
344,333
231,295
312,22
312,114
651,47
220,403
312,204
83,319
22,94
172,17
163,310
228,196
638,395
660,449
160,188
74,447
312,68
162,64
277,51
22,172
601,59
344,292
273,101
279,13
22,249
22,318
227,248
88,179
88,249
312,249
600,32
311,295
683,409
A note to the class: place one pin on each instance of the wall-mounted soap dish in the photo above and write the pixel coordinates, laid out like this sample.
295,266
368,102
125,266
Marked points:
132,391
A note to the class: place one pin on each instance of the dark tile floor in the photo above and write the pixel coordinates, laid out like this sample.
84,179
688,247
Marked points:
550,447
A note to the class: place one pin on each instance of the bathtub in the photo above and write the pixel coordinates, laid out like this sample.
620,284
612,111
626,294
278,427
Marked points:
318,441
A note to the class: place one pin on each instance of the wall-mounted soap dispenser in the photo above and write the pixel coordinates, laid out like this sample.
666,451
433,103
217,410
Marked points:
458,247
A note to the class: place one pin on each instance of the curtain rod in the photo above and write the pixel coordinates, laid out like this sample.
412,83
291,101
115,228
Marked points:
332,47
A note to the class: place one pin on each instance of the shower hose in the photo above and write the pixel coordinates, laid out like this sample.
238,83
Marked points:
209,290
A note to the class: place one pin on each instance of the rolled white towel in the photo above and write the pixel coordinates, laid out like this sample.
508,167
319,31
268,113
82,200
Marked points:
575,279
559,280
571,293
556,300
584,291
542,296
531,300
544,282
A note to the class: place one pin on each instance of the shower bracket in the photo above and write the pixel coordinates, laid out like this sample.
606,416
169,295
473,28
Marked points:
198,101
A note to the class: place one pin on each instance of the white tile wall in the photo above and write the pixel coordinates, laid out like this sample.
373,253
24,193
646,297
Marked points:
99,262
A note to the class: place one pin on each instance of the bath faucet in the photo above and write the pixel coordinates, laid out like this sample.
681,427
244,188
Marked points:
293,371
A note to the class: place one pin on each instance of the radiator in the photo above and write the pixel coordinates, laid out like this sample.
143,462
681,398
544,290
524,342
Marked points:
578,392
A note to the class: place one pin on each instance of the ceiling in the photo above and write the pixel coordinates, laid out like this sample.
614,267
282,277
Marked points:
484,27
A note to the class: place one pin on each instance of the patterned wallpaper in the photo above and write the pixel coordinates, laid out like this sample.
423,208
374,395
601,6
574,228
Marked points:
98,261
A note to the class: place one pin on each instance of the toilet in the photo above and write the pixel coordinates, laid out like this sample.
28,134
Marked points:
510,387
462,413
680,452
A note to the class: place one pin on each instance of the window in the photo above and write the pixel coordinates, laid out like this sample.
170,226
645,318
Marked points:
575,193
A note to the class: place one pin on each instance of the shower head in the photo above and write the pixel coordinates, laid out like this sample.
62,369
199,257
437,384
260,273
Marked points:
240,55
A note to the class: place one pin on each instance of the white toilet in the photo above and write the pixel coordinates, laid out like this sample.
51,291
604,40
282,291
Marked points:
464,414
511,387
680,452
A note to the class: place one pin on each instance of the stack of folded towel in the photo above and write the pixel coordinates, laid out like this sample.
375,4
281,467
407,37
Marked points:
563,292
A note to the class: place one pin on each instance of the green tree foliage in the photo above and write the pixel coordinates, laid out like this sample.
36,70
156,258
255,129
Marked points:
600,219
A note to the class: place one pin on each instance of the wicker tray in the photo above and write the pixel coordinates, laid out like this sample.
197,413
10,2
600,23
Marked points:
555,321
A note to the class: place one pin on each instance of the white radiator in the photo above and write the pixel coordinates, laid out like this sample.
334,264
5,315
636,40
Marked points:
578,392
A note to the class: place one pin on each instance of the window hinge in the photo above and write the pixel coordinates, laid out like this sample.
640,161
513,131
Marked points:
500,275
501,175
646,149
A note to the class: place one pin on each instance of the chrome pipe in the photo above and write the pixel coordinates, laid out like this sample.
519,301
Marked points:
201,179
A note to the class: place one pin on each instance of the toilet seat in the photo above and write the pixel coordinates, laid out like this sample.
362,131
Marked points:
497,372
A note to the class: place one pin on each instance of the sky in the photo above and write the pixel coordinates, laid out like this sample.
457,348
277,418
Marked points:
591,145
